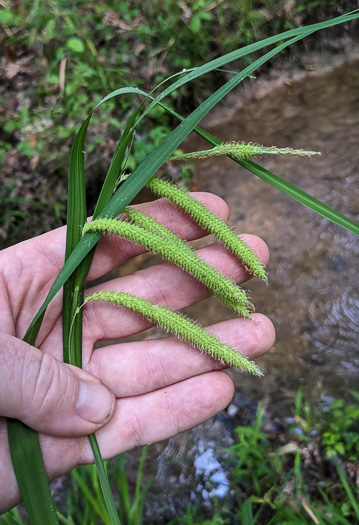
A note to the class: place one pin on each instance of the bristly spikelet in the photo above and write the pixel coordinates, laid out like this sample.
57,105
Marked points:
242,151
168,245
216,282
181,326
211,223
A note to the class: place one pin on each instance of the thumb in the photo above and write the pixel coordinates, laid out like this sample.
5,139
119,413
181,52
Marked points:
48,395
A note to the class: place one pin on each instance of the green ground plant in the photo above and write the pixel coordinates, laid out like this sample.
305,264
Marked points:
271,481
24,444
279,484
340,435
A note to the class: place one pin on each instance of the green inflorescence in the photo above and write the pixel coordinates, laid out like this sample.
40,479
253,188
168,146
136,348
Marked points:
211,223
243,151
181,326
160,240
222,287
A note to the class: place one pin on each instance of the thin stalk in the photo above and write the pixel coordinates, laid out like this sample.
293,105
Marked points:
104,481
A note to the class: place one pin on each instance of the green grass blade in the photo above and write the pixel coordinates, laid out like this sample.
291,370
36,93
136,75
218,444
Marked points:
76,217
140,471
74,287
12,517
30,474
348,490
74,292
104,481
91,499
247,513
124,507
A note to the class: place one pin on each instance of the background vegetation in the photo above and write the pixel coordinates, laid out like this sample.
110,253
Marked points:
60,58
299,472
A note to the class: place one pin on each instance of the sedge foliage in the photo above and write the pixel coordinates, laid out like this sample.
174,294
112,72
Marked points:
80,249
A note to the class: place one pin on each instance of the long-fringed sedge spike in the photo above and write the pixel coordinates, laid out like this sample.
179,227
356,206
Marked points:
216,282
177,252
211,223
183,327
243,151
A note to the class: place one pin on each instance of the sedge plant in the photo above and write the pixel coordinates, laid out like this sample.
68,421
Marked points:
82,239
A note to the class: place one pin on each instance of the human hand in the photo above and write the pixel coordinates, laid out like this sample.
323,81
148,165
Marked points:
142,392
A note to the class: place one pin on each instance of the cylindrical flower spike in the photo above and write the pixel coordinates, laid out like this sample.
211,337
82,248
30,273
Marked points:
216,282
211,223
181,326
243,151
160,240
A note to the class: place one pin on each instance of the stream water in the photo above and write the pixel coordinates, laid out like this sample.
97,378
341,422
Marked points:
312,297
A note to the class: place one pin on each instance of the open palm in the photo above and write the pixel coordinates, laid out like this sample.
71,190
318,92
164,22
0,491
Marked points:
156,388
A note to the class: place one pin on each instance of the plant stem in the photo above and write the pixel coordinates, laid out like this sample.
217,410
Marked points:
104,481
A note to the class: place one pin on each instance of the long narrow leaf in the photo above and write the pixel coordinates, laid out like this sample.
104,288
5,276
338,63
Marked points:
74,289
104,482
92,500
37,496
348,490
302,197
76,217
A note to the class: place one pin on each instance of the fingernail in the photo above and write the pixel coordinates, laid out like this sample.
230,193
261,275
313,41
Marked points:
94,402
